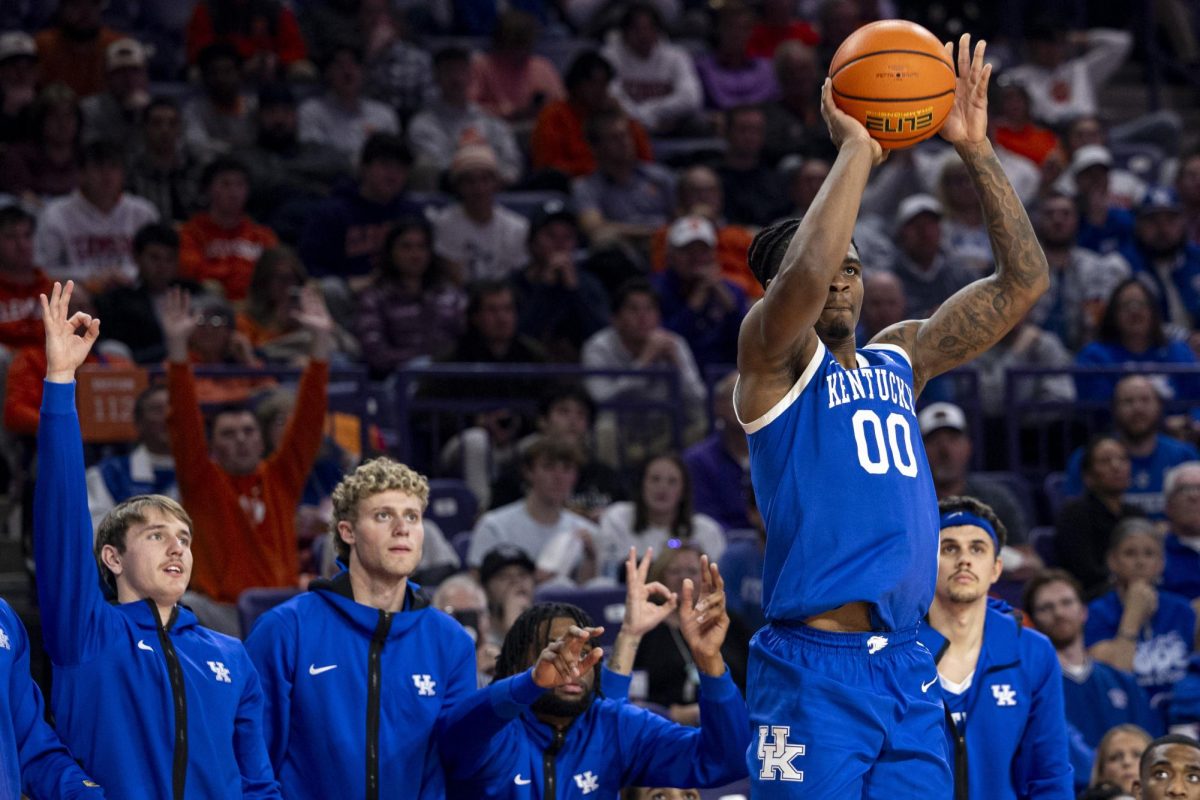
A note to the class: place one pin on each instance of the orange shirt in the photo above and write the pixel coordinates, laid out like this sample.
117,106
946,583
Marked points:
286,42
79,65
733,245
559,142
21,311
244,524
208,252
1030,141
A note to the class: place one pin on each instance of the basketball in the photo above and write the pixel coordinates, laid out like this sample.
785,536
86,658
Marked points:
895,78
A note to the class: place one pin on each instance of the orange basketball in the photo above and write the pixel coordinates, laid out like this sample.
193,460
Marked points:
894,77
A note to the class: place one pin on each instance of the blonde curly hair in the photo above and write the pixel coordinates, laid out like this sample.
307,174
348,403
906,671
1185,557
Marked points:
370,478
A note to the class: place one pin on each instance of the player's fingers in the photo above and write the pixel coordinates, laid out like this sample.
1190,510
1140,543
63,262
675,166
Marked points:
644,566
981,87
717,582
686,598
631,566
93,331
79,320
705,587
964,55
977,59
657,589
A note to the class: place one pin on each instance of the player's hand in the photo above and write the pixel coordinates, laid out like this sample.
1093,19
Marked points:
705,624
66,349
565,659
178,323
642,614
844,129
967,122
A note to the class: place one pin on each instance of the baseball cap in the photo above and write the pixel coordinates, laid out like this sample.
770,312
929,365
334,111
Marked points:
692,228
500,557
124,53
1090,155
553,210
473,157
915,205
941,415
1158,198
17,44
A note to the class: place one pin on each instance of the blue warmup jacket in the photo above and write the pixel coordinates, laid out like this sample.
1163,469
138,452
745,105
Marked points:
161,712
32,758
353,692
494,747
1013,742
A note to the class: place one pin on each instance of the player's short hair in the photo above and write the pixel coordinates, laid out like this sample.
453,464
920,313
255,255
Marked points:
371,478
767,249
1043,579
1148,754
112,529
1132,526
530,634
155,233
978,508
554,449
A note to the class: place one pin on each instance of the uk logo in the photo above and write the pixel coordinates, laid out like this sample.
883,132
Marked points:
4,642
776,754
875,644
587,782
1118,698
220,671
425,685
1004,693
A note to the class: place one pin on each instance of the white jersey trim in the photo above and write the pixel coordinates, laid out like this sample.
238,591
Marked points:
892,348
786,401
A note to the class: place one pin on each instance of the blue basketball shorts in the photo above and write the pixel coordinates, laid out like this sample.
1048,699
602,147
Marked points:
845,715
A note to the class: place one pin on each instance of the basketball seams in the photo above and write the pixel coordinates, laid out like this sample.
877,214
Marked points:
921,53
892,99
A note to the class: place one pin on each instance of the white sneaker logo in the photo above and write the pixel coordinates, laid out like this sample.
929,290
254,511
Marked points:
925,686
143,646
875,644
519,781
313,669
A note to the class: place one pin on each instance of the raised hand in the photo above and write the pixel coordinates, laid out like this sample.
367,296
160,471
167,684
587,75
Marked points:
66,348
312,313
642,614
967,122
844,129
566,658
178,323
705,624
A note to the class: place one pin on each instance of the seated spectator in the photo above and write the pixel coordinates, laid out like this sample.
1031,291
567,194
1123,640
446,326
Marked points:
48,165
730,76
507,576
413,310
1181,487
217,342
637,340
1187,187
561,303
1117,759
18,86
399,70
696,301
1162,253
287,176
265,35
342,118
116,113
559,144
1016,130
461,597
699,192
221,120
624,198
1124,188
1137,414
565,411
929,274
884,304
344,235
88,234
511,82
438,131
656,82
327,24
21,282
1083,528
755,193
149,468
1137,627
1105,226
1132,332
163,171
964,239
718,465
670,673
550,468
777,25
220,245
794,124
1081,281
1097,697
477,237
804,181
72,50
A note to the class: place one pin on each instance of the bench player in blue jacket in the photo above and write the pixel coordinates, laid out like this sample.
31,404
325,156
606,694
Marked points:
841,479
357,669
540,731
1001,682
153,705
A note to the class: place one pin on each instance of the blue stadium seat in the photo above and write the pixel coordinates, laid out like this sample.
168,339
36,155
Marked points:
527,203
683,152
1016,484
1054,488
253,603
452,506
428,200
738,790
461,542
748,535
604,604
1042,539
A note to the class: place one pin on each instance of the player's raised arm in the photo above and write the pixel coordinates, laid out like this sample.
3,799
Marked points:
778,328
978,315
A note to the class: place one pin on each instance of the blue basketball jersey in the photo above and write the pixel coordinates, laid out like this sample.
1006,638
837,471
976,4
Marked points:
843,486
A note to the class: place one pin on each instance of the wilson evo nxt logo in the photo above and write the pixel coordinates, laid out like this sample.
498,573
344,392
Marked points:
911,121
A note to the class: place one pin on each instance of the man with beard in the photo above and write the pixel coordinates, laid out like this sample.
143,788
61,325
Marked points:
515,739
1000,682
1161,251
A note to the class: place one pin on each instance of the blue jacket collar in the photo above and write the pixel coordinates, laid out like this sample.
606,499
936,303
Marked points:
1001,639
339,594
145,615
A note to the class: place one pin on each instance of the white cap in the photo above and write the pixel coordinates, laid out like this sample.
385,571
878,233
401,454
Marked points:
1090,155
914,205
17,43
124,53
692,228
941,415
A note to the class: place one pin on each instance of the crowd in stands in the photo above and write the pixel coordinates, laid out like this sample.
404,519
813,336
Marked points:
428,197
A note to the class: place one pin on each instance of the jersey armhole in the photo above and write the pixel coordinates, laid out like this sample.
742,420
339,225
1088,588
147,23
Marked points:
786,401
892,348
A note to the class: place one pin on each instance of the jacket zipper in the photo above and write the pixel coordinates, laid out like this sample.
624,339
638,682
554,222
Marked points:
373,691
962,789
549,774
179,694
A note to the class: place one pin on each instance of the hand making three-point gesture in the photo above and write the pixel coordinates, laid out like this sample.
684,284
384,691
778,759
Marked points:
704,622
568,657
646,606
66,347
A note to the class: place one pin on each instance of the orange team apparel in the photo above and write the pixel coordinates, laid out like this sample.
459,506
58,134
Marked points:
559,142
285,41
79,65
21,311
23,394
208,252
245,532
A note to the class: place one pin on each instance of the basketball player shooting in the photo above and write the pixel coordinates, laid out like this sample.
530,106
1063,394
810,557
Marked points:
838,685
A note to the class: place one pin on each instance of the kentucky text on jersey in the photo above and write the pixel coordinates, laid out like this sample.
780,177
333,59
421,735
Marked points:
864,384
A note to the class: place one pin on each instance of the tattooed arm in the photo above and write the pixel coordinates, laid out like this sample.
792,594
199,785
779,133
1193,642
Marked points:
979,315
